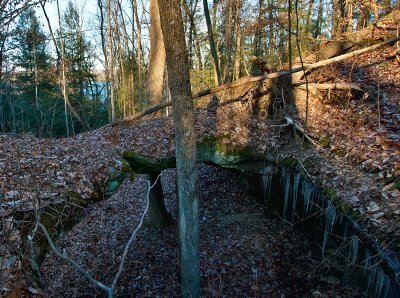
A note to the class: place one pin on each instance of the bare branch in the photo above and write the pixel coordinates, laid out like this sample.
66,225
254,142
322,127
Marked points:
133,236
75,264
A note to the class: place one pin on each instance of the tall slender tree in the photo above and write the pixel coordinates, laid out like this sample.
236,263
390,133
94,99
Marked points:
228,42
217,76
157,56
238,34
185,145
64,80
111,59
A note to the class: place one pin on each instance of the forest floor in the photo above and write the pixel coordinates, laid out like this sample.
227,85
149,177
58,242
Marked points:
246,251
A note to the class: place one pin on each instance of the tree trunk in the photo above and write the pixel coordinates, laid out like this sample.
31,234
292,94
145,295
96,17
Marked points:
318,24
228,42
42,4
337,18
36,77
64,82
198,49
364,13
238,41
193,36
185,144
349,16
110,52
217,76
139,52
157,215
271,39
157,57
259,48
307,28
104,49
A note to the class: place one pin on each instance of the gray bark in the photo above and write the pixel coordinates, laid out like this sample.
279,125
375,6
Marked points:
111,66
185,144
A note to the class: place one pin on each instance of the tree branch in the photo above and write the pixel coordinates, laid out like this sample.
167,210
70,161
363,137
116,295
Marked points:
133,236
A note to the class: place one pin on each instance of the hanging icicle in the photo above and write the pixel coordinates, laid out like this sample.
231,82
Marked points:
367,260
295,193
306,189
286,191
266,181
354,248
330,216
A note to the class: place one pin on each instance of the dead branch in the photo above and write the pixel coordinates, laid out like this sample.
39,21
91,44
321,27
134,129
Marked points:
300,129
328,86
133,236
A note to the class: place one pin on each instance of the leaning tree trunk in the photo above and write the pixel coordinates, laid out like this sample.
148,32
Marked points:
185,144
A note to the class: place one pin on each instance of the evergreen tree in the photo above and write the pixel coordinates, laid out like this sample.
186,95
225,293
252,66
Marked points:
34,92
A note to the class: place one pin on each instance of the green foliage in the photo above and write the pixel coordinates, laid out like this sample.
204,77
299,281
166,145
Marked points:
32,99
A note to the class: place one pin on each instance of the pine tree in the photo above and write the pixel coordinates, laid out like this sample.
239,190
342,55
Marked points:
34,91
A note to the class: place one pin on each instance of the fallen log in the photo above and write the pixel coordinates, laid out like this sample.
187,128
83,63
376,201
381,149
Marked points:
248,80
147,111
328,86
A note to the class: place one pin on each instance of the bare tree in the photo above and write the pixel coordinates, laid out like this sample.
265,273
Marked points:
111,56
238,34
139,50
214,55
194,44
105,54
228,42
64,80
185,145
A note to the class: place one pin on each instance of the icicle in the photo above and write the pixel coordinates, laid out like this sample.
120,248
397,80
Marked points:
380,281
295,192
346,230
286,191
340,219
367,261
330,215
354,248
372,276
387,286
306,190
266,185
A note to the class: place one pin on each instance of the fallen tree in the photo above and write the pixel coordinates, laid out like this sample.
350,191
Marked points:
240,87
